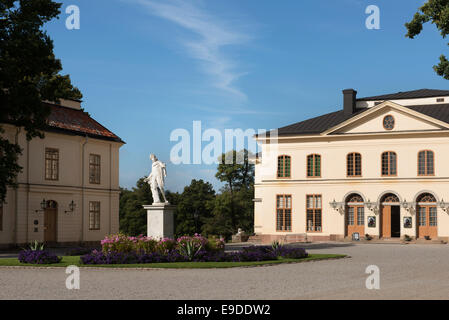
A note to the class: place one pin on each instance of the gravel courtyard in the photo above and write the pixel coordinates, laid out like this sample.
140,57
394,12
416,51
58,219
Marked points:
406,272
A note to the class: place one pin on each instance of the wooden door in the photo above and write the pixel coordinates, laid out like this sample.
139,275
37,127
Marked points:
386,222
427,221
50,216
355,220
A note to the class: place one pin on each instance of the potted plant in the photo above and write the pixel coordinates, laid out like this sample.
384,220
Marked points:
407,238
427,237
368,237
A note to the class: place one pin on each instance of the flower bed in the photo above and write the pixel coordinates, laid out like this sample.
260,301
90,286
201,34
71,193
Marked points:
119,249
38,257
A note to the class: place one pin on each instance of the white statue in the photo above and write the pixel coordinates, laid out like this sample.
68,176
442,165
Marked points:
156,179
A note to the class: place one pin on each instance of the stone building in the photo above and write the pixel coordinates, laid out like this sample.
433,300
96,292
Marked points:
378,166
68,190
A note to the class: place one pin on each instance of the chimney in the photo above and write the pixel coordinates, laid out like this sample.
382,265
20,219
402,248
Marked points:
349,101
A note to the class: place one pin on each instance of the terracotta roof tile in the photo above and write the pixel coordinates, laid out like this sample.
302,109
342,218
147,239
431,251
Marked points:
78,122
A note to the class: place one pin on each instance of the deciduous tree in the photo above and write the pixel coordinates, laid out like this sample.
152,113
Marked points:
436,12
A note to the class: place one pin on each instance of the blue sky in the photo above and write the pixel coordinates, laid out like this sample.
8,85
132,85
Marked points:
147,67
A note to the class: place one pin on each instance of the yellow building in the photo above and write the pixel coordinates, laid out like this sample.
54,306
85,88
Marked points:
68,190
379,166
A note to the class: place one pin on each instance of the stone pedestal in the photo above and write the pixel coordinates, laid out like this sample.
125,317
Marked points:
160,220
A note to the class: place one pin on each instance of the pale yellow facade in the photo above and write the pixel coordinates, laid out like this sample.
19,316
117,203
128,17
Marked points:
23,217
366,135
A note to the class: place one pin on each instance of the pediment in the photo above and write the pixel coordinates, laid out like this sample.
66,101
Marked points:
403,118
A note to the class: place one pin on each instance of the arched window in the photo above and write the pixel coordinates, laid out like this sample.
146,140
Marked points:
355,214
353,198
284,166
426,163
389,163
389,197
354,164
314,166
427,215
426,197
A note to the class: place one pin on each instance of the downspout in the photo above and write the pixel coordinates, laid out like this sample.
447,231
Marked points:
82,188
28,193
110,188
16,200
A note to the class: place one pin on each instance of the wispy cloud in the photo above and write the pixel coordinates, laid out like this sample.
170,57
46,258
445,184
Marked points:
213,36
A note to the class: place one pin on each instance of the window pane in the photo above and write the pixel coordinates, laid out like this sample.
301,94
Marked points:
385,163
288,200
310,166
287,167
421,163
317,166
430,166
280,167
360,216
288,220
279,220
350,216
392,163
94,215
309,220
358,164
350,166
317,220
422,216
433,216
309,202
318,202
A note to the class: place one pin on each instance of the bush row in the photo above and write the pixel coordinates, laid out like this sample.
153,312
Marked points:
38,257
255,253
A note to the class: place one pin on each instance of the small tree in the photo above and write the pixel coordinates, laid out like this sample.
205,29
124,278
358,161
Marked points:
233,208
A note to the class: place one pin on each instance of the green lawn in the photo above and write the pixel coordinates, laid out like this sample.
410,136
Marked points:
75,260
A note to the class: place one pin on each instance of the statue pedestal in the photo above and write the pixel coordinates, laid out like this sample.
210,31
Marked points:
160,220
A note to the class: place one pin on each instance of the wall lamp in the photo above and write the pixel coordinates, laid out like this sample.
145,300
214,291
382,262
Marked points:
43,206
338,206
409,206
72,207
372,206
443,205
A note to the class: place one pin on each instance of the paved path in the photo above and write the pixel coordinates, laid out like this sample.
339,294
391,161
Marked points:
406,272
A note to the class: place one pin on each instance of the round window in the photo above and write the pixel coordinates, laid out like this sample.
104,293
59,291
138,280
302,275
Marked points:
389,122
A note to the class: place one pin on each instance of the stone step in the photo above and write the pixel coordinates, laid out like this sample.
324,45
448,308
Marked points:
255,239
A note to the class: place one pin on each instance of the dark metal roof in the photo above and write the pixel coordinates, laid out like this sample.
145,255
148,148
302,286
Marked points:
436,111
318,124
421,93
322,123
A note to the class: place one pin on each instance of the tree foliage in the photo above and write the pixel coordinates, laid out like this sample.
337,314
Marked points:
29,75
192,210
133,217
436,12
